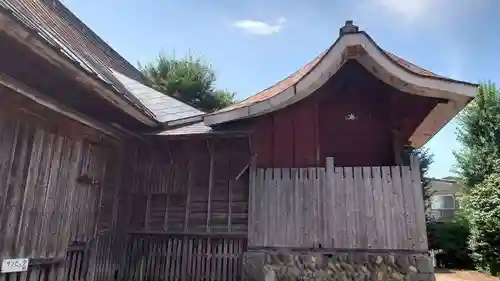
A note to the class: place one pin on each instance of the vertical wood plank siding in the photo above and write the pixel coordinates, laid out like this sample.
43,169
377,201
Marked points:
337,207
305,133
189,186
56,183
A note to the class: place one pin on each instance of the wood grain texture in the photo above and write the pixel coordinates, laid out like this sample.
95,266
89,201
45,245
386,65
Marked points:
335,207
303,134
188,186
56,188
181,257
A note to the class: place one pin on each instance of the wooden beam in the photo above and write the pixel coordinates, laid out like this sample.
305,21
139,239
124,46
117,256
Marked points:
395,132
228,235
397,147
148,211
118,183
316,132
210,183
165,222
247,166
335,251
55,106
37,44
188,197
229,197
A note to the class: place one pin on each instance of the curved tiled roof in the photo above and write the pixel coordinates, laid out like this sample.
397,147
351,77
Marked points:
411,67
389,68
299,74
278,87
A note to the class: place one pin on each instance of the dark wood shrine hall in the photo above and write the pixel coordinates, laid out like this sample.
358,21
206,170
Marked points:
104,178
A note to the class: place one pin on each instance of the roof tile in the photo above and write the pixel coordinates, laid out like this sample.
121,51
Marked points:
291,80
164,107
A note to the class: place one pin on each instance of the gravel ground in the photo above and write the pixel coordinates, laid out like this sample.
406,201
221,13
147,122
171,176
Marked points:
451,275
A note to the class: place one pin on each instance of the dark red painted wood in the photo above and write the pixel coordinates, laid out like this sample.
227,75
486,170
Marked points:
283,136
262,140
305,152
305,133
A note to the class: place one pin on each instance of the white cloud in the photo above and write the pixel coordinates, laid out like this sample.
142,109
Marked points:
408,10
421,13
260,27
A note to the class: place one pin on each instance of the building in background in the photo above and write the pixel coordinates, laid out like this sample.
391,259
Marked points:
444,203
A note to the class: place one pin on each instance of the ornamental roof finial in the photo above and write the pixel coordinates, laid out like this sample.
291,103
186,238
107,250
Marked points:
349,27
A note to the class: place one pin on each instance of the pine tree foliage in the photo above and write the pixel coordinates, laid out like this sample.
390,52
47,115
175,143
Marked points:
189,79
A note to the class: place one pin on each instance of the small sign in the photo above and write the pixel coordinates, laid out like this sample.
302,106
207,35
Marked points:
14,265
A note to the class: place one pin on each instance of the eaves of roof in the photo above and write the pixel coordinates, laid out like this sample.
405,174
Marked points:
55,34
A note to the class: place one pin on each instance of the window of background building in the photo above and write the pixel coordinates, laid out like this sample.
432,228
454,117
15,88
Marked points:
443,202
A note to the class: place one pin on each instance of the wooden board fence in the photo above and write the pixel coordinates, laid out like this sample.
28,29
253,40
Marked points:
338,207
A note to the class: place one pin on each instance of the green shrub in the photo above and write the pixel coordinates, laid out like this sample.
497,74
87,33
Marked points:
451,238
482,207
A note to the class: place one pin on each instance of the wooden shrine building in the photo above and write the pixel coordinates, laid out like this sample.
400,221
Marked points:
103,178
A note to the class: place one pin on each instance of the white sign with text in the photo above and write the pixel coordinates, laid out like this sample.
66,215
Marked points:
14,265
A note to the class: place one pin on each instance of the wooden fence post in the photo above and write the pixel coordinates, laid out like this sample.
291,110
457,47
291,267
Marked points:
421,239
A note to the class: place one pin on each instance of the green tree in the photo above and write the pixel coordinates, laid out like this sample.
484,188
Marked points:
189,79
482,207
479,134
451,238
478,167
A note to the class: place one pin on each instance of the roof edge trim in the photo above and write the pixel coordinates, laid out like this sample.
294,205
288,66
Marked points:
329,64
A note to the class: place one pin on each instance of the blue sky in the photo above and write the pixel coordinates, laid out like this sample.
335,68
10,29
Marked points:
253,44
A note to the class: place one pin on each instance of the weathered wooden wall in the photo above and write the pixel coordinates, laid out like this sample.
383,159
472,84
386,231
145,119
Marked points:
67,191
338,207
57,178
187,186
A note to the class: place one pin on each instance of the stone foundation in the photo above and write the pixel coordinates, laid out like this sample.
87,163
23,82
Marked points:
280,265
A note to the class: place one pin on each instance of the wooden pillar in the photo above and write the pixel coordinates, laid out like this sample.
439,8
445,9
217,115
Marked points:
230,202
210,183
189,187
397,147
420,223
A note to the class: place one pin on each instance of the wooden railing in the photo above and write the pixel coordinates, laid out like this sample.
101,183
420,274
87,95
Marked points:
106,257
76,264
193,257
338,208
